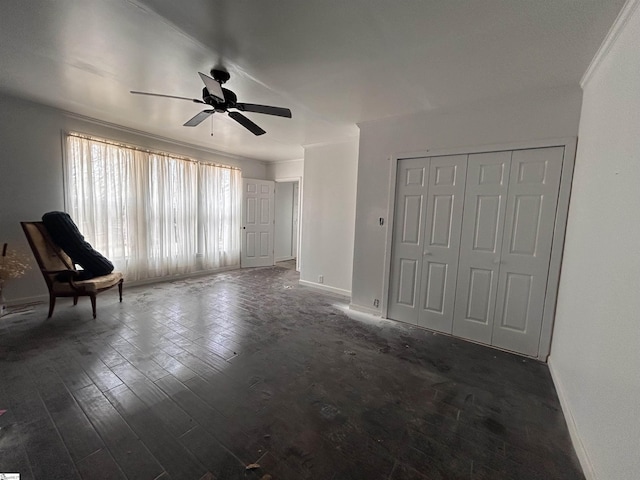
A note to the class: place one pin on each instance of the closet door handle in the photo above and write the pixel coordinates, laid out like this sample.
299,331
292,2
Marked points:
497,261
426,252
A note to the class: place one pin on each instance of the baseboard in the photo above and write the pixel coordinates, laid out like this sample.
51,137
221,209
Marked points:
14,302
326,288
370,311
581,451
284,259
183,276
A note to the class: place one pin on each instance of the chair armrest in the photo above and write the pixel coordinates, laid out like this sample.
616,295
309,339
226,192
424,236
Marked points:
71,275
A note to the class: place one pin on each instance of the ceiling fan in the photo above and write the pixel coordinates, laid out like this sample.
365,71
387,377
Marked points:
221,100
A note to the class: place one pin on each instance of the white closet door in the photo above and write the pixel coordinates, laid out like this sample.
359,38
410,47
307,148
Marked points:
406,257
526,249
445,200
481,245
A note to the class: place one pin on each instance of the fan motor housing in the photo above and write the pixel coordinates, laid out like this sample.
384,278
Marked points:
230,99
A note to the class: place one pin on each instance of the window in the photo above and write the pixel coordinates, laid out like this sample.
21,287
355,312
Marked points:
151,213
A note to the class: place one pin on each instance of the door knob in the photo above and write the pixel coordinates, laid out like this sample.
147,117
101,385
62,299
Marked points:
497,261
426,252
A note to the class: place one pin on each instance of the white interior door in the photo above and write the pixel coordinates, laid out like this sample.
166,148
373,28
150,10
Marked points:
406,258
481,245
526,249
445,200
258,215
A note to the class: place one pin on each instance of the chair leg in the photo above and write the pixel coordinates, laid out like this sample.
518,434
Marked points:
75,301
52,304
93,305
120,290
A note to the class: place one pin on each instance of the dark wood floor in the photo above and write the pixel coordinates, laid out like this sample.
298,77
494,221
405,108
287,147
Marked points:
200,378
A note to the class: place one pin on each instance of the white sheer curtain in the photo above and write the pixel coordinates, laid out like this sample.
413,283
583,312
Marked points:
220,210
172,214
141,209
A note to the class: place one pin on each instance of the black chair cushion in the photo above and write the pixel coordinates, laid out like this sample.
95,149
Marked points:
66,235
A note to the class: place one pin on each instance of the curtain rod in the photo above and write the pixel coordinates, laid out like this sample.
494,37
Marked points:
146,150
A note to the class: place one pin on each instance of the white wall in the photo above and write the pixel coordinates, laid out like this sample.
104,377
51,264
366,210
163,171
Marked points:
534,116
595,355
31,171
328,214
286,169
284,221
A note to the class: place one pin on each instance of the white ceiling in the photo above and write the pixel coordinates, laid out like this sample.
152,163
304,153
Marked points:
333,62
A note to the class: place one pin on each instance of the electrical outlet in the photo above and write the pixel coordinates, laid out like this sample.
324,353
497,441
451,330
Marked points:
376,303
320,278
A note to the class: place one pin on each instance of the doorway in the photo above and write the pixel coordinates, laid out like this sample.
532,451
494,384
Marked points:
287,222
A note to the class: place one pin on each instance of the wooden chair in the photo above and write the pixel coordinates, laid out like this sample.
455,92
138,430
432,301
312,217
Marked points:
59,272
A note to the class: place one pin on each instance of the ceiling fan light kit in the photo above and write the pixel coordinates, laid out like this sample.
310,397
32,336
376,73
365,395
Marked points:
223,99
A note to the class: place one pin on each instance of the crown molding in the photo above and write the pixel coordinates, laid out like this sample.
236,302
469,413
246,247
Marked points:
129,130
287,161
614,32
141,133
335,141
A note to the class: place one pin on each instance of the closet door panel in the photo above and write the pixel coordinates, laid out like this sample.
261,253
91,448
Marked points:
526,248
443,223
406,258
481,245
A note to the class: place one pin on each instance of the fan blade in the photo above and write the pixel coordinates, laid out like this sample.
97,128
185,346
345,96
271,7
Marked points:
199,118
246,123
252,107
194,100
214,87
